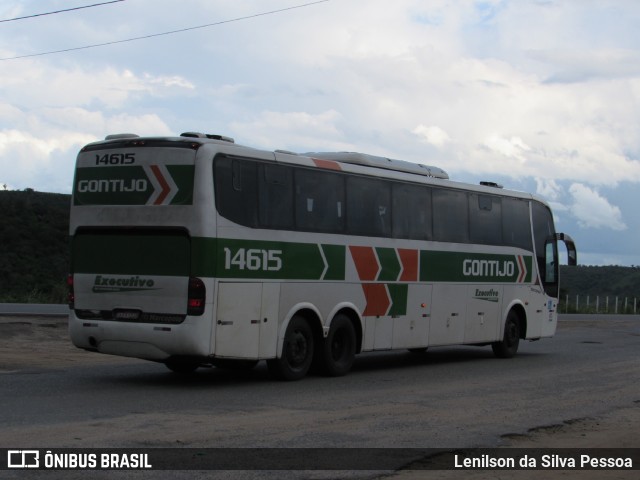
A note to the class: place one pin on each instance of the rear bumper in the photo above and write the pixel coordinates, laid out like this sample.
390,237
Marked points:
148,341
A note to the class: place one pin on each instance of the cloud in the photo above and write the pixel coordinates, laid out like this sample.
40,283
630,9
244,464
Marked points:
433,135
294,130
31,84
571,66
594,211
45,161
513,148
548,188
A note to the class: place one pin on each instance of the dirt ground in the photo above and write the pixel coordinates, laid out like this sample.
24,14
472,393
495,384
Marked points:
34,343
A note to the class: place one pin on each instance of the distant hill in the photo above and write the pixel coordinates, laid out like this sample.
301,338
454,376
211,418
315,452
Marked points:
34,255
603,281
34,246
610,289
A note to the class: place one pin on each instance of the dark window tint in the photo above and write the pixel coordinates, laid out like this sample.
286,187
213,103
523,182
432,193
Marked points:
368,207
542,229
516,226
276,196
412,211
542,226
319,201
236,190
485,219
450,216
268,195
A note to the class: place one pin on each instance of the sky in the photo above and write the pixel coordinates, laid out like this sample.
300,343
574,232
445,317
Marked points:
541,96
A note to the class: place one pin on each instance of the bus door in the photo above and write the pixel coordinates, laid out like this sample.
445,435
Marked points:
412,330
483,319
448,314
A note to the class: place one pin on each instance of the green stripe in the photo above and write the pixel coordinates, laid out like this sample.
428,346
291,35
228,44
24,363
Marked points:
472,267
203,256
183,177
269,260
128,185
389,264
175,254
335,256
399,293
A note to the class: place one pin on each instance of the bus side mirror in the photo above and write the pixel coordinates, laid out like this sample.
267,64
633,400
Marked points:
572,256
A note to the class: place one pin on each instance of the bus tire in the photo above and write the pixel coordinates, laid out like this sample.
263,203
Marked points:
181,365
297,351
234,364
418,350
508,347
339,348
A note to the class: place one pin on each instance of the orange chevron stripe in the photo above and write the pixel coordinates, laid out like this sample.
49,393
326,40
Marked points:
523,269
378,301
409,259
366,262
163,183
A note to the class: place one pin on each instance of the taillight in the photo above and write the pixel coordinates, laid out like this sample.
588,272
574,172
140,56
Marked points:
197,296
71,297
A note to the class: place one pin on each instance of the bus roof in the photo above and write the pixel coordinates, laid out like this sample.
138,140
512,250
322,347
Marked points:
356,158
351,158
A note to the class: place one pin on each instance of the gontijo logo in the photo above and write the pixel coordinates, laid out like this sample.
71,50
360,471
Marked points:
112,185
495,268
488,268
156,184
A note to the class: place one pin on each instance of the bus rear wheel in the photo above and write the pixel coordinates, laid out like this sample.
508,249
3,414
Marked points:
297,351
233,364
508,347
339,348
182,365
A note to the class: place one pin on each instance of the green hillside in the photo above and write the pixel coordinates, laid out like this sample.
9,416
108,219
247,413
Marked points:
603,281
34,255
34,246
607,289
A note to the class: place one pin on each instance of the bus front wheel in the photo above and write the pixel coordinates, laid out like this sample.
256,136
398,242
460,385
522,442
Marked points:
297,351
508,347
339,348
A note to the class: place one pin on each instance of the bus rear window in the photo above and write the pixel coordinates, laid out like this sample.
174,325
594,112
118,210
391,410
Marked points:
132,252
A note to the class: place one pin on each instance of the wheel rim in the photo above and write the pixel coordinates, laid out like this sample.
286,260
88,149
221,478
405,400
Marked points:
339,345
298,350
512,334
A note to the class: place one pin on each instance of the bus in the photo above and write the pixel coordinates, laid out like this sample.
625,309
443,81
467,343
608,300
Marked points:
196,251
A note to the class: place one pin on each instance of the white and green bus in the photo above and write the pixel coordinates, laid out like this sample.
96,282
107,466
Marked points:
195,251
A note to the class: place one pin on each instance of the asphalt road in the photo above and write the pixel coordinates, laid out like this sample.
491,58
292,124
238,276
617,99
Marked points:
449,397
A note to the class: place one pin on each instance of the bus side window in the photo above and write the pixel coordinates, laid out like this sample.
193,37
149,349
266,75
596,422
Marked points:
543,229
319,197
450,216
368,207
235,190
551,267
411,211
516,227
276,197
485,219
